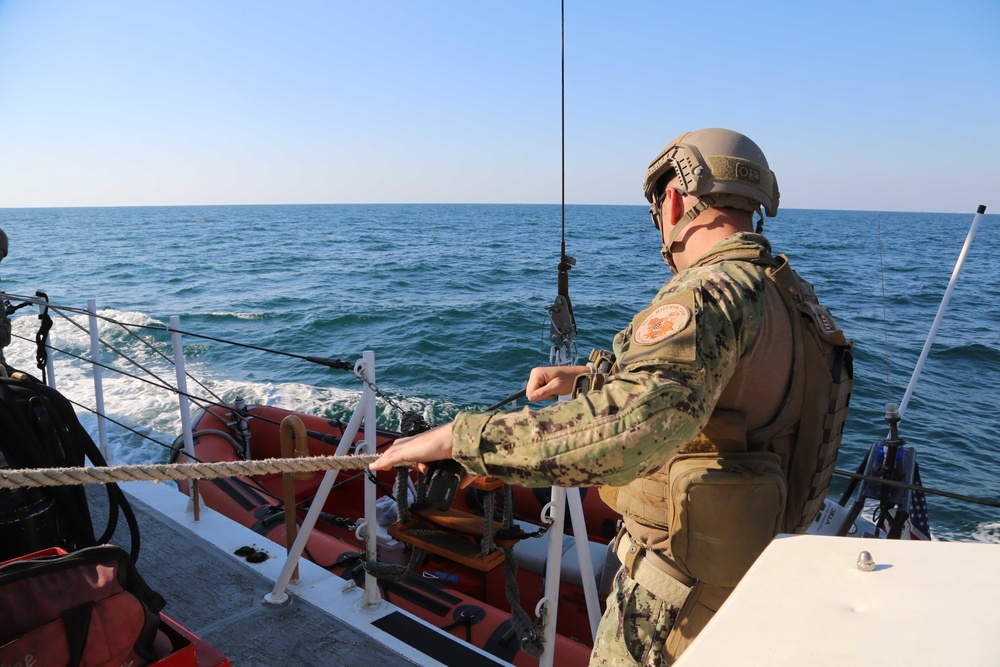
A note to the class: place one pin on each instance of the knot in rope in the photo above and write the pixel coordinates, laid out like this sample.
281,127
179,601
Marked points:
411,423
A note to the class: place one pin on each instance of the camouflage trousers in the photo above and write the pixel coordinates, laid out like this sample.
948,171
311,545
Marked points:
634,628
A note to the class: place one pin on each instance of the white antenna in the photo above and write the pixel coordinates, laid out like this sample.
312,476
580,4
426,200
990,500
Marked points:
940,313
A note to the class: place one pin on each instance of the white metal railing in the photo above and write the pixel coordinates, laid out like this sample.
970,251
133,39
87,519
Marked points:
556,512
365,411
95,356
184,405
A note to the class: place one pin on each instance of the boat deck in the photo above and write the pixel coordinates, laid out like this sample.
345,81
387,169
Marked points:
220,598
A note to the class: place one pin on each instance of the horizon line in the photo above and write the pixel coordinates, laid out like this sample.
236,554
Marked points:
556,204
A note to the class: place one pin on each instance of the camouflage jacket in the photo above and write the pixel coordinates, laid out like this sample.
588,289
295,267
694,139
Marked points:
673,361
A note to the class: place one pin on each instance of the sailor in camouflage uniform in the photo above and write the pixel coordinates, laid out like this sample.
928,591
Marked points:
716,340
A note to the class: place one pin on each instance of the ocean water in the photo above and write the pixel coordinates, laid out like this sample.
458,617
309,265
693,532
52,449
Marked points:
451,299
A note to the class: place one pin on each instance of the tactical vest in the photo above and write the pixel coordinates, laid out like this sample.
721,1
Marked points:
784,467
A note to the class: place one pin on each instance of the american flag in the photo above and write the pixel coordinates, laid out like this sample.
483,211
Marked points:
919,527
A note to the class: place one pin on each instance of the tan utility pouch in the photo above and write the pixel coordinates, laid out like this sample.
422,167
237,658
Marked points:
699,608
724,509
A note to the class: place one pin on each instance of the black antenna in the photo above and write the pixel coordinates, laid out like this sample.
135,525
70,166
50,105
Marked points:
562,331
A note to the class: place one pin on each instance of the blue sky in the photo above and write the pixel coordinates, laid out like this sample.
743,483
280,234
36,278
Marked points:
858,105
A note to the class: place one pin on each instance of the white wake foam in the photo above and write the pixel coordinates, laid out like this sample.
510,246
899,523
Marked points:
148,408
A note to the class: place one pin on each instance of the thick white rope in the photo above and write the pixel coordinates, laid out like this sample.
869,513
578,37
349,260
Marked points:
158,472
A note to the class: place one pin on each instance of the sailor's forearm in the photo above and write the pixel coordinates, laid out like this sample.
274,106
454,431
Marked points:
629,428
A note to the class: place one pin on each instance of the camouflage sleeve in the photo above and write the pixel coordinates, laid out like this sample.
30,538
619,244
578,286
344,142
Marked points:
674,360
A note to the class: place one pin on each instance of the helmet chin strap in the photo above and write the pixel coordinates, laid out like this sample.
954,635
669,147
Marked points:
718,200
668,257
703,203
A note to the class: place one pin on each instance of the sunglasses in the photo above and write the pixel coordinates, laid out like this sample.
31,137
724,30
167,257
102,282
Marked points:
654,208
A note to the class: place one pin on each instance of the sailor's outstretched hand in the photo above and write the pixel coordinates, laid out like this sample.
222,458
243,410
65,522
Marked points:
551,381
421,449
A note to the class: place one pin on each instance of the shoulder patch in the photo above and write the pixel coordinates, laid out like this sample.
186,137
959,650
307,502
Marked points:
662,323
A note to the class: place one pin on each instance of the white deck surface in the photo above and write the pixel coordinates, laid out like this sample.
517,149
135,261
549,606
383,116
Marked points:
193,566
804,602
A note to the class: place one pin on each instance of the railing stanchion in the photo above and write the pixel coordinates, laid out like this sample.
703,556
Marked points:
185,407
371,595
277,594
95,358
575,503
553,569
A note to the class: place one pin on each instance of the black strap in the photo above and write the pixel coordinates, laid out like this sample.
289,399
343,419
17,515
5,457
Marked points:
42,354
11,308
76,622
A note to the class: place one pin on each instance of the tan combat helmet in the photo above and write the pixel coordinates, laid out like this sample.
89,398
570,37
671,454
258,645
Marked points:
720,167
